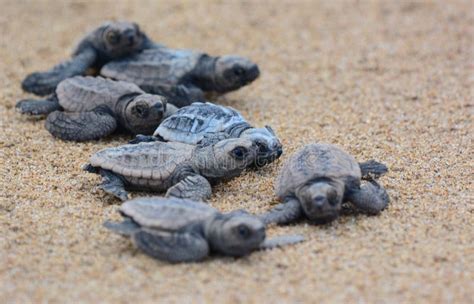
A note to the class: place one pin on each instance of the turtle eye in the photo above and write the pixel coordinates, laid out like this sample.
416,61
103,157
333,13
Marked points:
239,153
113,37
141,110
238,71
243,231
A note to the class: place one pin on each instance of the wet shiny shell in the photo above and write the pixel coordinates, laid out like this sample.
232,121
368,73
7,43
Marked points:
190,124
315,161
79,94
166,213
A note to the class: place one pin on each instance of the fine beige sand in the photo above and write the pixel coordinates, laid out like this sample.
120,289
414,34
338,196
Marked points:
388,80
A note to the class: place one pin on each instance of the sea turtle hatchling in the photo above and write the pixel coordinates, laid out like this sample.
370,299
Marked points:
181,230
89,108
111,40
198,71
185,171
207,122
317,179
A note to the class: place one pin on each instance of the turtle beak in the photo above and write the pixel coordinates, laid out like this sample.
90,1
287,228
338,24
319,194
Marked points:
252,73
130,38
279,152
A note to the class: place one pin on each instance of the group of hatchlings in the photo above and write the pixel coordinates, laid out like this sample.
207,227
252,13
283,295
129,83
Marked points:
183,145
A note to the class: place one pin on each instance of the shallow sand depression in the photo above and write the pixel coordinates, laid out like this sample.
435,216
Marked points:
384,80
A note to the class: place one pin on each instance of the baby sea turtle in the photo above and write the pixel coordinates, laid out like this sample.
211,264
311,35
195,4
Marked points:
198,71
181,230
207,122
186,171
317,179
109,41
95,107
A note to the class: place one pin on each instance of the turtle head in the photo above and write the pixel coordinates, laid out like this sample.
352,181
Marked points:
120,38
144,113
268,144
229,157
236,233
321,200
232,72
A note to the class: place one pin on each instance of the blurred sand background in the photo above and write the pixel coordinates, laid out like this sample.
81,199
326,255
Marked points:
390,80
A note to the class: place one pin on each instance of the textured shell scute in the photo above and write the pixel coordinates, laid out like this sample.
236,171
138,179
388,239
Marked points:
191,123
316,161
167,213
78,94
145,160
160,65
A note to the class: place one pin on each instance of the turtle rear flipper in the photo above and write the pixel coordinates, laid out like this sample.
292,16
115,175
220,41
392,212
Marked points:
126,227
44,83
113,184
81,126
372,169
39,106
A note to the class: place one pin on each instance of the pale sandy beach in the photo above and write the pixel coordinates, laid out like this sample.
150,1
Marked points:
389,80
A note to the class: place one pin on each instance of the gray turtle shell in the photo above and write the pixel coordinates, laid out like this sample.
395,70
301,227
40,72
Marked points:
160,65
155,160
79,94
190,124
315,161
170,214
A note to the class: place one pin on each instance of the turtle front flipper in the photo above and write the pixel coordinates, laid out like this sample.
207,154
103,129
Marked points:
194,187
171,247
372,169
44,83
38,106
284,213
280,241
371,198
81,126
